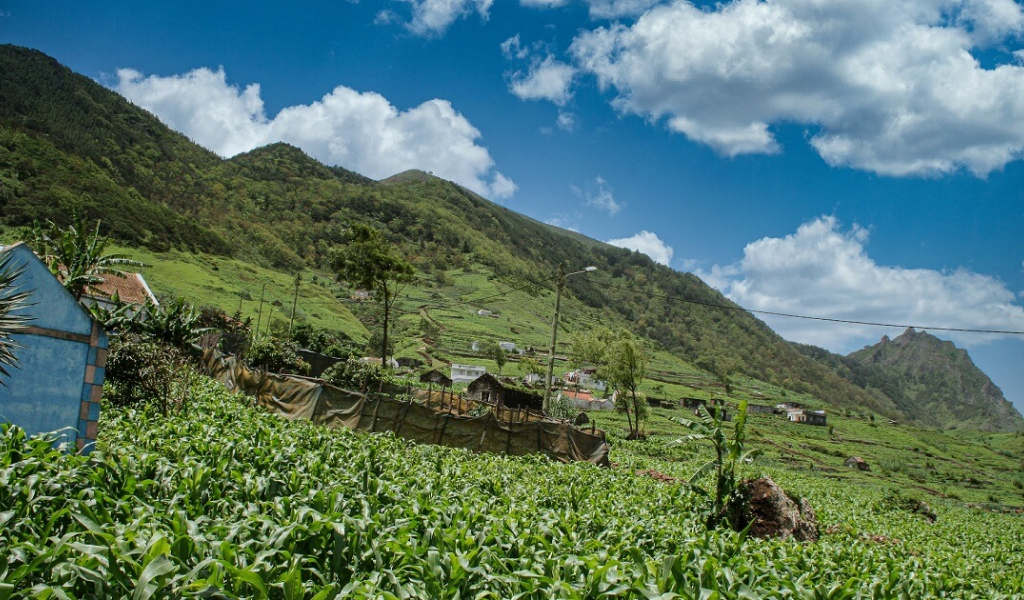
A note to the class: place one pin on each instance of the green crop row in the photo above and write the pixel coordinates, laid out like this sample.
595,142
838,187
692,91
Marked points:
225,500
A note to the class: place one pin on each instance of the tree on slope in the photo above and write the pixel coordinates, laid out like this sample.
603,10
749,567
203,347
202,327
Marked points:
371,263
625,369
76,256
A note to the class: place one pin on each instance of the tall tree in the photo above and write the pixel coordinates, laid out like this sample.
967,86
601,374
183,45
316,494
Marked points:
11,299
625,369
371,263
495,352
76,256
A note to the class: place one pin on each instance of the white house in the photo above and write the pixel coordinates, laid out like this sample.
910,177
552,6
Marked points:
507,346
483,312
585,378
464,373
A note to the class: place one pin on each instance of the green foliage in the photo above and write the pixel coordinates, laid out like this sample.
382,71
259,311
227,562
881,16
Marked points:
276,355
234,331
76,255
369,262
354,374
562,408
226,501
143,370
332,343
625,368
175,323
492,351
11,299
729,454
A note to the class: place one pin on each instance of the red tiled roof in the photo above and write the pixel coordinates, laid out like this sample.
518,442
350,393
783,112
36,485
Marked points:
580,395
132,289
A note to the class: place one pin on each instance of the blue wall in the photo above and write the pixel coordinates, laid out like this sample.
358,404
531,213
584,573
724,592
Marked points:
58,381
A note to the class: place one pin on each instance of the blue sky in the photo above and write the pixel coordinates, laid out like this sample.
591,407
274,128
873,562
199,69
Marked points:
848,159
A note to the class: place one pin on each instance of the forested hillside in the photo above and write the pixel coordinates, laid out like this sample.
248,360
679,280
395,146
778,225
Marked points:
67,144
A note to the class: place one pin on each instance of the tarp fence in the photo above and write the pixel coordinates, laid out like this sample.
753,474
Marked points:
430,417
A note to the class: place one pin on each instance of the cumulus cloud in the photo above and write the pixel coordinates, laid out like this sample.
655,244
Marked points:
358,130
543,3
431,18
614,9
647,243
825,271
888,86
547,79
599,196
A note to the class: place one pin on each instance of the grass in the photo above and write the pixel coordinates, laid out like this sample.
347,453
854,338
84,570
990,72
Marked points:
234,285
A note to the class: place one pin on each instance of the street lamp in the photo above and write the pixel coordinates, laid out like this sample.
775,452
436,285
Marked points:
562,276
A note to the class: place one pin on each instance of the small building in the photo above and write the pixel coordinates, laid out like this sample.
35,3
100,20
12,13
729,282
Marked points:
858,463
464,373
489,390
585,377
533,379
807,417
130,289
692,403
362,295
483,312
372,360
784,407
58,382
507,346
435,377
585,400
760,409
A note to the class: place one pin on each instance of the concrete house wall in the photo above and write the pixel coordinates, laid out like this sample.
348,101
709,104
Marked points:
58,382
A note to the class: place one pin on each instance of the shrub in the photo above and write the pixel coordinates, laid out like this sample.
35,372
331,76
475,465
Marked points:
276,355
353,374
141,370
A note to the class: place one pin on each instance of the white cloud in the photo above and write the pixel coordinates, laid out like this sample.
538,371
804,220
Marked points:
614,9
547,79
566,121
566,221
824,271
888,86
647,243
543,3
431,18
512,48
358,130
599,196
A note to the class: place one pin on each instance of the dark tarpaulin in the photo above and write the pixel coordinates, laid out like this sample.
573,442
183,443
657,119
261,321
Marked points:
300,398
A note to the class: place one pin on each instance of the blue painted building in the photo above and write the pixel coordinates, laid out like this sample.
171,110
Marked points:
58,382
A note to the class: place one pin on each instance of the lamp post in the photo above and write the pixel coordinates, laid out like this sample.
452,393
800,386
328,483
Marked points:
562,276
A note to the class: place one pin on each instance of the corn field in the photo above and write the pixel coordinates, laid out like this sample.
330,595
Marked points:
223,500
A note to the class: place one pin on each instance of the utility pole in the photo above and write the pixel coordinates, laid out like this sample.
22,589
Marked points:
259,318
560,283
298,278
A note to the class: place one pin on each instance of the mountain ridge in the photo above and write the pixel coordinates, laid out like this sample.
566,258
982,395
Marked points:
277,207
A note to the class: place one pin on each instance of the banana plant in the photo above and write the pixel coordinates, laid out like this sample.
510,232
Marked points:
729,454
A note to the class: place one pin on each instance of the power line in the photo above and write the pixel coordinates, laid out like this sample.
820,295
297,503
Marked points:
827,319
653,294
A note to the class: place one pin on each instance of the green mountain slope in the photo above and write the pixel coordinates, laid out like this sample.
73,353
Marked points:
936,382
68,144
